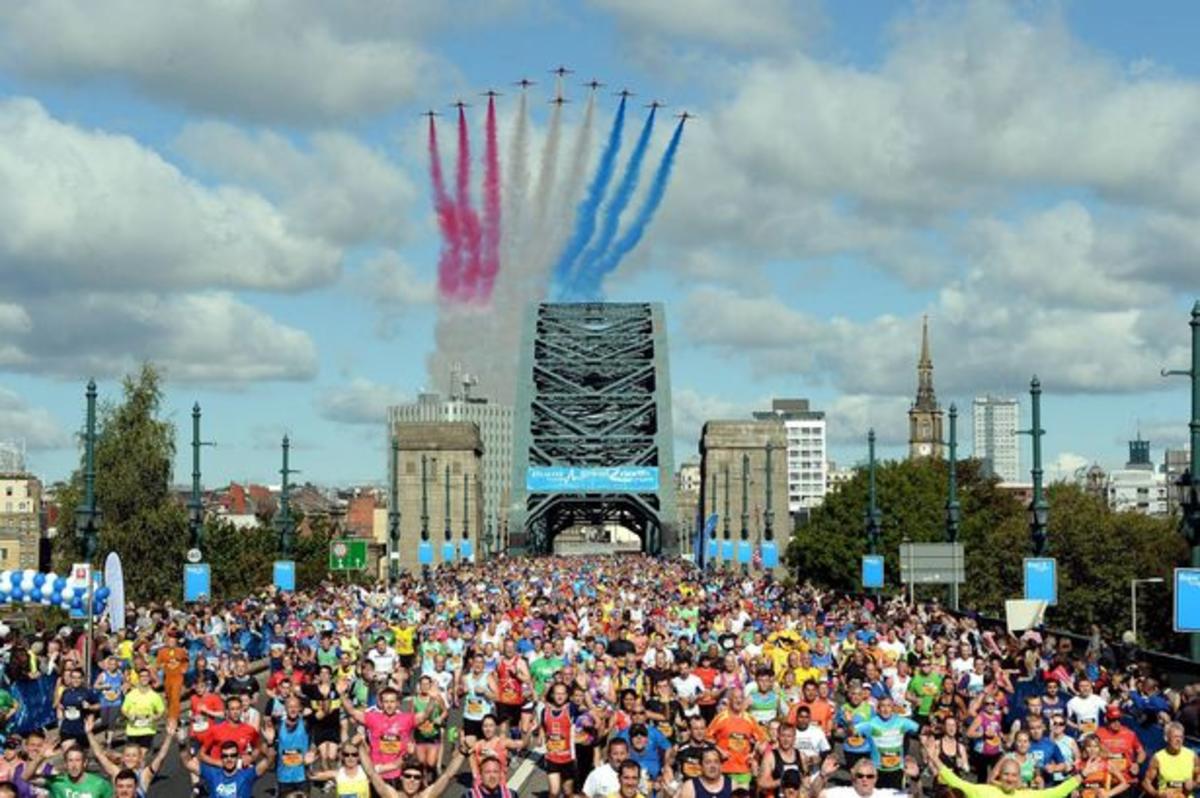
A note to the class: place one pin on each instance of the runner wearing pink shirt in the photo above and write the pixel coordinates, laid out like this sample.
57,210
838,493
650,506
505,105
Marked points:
389,731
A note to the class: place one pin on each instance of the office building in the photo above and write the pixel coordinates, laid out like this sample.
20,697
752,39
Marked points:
994,424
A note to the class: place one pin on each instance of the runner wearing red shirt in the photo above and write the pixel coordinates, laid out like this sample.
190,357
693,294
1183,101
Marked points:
1120,742
232,730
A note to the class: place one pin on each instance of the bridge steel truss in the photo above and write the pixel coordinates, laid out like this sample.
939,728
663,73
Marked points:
593,390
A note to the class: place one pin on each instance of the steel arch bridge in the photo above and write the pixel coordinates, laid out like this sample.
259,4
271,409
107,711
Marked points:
593,408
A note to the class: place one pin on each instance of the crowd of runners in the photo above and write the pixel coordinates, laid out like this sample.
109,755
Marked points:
613,676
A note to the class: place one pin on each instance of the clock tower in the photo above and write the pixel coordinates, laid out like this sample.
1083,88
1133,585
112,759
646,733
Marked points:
925,416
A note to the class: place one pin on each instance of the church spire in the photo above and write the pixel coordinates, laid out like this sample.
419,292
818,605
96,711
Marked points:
926,399
925,417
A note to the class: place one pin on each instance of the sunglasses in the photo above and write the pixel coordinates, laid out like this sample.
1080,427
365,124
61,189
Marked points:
411,775
864,776
229,756
349,753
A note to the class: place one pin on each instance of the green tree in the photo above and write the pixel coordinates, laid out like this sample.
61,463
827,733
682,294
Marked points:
141,520
1098,551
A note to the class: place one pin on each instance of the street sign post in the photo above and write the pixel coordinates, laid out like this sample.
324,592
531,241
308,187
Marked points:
932,564
348,554
1041,580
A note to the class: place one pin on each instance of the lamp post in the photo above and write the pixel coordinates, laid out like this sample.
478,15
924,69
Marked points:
424,510
393,570
283,521
87,517
195,506
769,513
1190,481
1133,583
725,519
466,506
873,514
1039,510
745,503
952,509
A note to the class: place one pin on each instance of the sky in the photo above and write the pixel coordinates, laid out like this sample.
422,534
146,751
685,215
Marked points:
238,192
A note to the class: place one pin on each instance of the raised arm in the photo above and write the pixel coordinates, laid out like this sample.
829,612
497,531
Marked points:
443,781
156,764
384,789
98,751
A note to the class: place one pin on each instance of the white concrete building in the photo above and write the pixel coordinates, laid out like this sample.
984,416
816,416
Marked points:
495,424
806,467
1138,486
994,424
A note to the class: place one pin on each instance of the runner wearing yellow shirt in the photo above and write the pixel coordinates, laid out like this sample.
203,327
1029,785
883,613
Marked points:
142,708
1008,780
405,644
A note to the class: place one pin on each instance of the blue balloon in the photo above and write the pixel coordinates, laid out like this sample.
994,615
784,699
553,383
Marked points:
60,582
17,593
77,603
103,593
39,579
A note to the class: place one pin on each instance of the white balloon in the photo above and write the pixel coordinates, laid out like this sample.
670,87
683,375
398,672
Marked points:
47,589
27,585
66,595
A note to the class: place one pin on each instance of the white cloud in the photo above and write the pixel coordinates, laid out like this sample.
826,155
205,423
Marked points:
849,417
747,25
32,426
1065,465
334,187
206,337
391,282
86,209
981,341
360,401
298,61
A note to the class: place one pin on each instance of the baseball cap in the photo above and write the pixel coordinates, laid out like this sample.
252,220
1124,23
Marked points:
638,728
1112,713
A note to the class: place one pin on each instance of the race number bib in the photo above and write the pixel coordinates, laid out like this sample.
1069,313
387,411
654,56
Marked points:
738,743
292,759
143,722
856,741
390,745
71,713
556,744
889,761
474,706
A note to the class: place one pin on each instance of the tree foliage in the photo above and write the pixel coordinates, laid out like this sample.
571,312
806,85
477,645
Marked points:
146,524
1098,550
141,520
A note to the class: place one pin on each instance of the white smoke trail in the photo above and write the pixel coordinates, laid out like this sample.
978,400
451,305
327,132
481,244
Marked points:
568,195
515,224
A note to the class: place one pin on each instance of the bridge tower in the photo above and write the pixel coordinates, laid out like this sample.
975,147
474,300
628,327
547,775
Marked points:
592,433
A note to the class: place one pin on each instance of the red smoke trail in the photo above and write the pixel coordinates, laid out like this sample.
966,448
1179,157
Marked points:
468,220
491,207
448,266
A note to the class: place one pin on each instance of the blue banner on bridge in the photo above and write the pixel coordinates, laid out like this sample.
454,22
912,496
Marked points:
579,479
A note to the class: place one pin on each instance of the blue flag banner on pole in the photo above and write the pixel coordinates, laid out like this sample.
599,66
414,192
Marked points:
727,550
770,554
872,571
466,549
1041,579
447,552
744,551
1187,599
285,575
425,553
197,582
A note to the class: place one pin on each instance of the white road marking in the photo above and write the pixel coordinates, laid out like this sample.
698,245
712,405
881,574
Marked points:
522,774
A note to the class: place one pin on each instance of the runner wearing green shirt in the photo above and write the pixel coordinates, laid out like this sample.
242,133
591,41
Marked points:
9,707
75,783
923,688
543,669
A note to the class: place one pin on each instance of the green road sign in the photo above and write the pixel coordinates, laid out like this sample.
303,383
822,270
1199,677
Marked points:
347,555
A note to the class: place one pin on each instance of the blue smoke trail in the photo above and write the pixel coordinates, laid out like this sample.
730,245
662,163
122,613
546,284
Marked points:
585,214
617,205
637,228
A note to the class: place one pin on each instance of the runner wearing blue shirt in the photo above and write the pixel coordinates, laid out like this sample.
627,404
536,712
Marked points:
886,730
228,780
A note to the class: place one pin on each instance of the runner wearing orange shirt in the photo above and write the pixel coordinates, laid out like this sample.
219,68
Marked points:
738,737
820,711
172,660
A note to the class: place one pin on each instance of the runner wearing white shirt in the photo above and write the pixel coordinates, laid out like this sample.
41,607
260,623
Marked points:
688,687
1085,709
